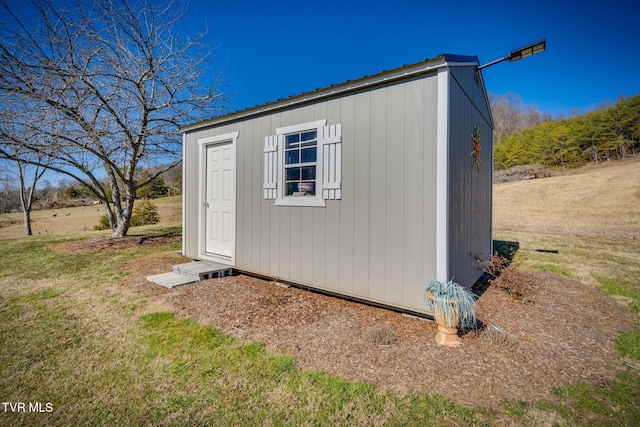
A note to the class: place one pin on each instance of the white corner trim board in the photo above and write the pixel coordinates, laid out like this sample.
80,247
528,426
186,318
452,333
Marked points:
442,180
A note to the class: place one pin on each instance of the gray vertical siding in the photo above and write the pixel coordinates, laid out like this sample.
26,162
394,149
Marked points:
470,204
376,243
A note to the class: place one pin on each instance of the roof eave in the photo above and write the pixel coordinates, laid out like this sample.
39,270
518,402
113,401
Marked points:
445,60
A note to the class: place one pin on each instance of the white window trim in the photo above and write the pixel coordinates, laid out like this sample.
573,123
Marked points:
301,127
281,199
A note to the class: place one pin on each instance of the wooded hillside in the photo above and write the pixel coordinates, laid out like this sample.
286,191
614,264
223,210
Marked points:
612,133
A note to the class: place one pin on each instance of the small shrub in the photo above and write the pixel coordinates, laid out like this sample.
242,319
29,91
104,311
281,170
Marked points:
103,223
515,282
496,265
382,334
145,213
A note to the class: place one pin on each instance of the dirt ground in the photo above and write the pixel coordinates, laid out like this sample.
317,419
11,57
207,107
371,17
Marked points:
563,334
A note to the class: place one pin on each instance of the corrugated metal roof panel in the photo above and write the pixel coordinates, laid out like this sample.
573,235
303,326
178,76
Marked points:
383,76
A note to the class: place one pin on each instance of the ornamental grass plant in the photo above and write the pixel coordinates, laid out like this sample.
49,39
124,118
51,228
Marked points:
451,302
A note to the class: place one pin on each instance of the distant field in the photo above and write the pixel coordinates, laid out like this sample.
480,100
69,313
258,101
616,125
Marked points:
585,226
79,219
603,201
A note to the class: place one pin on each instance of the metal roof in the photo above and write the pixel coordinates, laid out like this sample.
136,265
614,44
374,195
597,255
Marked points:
384,76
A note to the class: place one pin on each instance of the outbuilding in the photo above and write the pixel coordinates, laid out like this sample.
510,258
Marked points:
364,189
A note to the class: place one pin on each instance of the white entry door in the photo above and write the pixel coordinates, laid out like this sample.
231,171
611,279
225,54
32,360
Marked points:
220,201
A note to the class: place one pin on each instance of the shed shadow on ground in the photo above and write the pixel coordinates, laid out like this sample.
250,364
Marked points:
503,248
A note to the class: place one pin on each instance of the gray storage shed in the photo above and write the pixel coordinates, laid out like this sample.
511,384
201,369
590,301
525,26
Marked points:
364,189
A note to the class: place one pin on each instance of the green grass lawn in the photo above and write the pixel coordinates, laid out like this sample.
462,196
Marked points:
90,353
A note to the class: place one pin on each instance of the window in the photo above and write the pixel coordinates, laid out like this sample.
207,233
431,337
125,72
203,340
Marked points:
302,164
300,154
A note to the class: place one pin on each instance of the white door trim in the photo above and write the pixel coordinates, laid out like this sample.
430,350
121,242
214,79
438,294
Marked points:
204,143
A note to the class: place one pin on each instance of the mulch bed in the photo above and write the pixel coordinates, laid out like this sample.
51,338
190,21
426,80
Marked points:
561,334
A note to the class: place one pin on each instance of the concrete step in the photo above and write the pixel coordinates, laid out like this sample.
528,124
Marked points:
170,280
202,270
191,272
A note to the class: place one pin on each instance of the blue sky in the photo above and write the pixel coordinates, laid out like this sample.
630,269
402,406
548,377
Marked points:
272,50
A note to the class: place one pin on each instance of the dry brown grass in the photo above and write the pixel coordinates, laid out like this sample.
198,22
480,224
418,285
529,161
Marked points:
78,219
601,201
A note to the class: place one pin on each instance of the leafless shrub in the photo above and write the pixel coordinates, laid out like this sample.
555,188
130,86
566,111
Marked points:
520,173
515,282
495,265
382,334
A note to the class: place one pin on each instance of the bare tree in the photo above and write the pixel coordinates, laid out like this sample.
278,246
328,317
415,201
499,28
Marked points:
102,88
8,192
21,163
510,115
28,174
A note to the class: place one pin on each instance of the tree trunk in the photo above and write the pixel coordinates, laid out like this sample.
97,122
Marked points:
125,212
109,213
124,222
26,196
27,222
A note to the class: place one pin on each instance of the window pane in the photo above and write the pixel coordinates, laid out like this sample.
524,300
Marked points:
307,188
307,136
309,154
293,174
292,139
309,172
292,187
291,157
300,148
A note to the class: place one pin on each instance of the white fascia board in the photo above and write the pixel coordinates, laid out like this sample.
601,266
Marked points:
442,177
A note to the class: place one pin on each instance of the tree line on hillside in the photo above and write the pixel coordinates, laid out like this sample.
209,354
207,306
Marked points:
611,133
510,115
